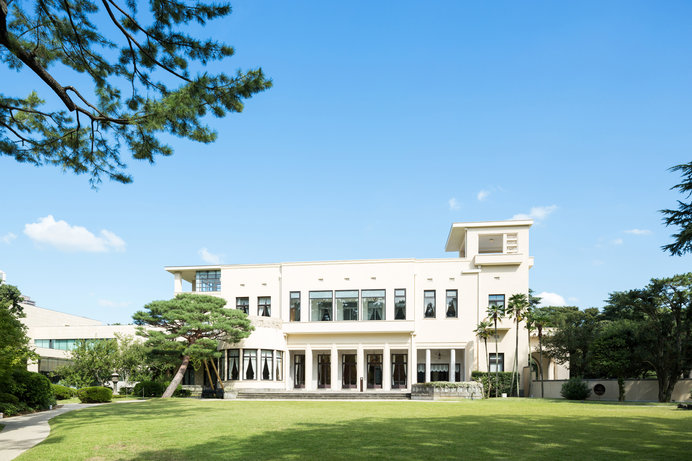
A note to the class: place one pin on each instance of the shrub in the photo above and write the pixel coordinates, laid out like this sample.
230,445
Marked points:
125,390
8,398
11,409
180,392
575,389
95,394
149,389
488,381
63,392
32,389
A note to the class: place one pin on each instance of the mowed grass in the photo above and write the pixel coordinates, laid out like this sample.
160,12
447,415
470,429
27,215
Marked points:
185,429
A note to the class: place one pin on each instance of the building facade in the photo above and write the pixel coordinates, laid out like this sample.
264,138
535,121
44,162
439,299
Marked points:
370,324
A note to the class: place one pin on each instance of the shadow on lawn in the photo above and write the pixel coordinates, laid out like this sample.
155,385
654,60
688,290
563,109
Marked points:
463,437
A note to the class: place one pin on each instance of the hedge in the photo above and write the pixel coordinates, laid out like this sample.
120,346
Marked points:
156,389
95,394
488,381
63,392
33,389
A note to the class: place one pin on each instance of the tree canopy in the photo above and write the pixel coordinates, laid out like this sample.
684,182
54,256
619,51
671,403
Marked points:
139,75
15,350
92,363
682,217
195,322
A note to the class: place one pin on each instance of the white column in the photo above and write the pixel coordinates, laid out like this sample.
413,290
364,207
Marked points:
360,367
287,369
452,364
178,283
412,364
308,369
427,365
335,368
386,368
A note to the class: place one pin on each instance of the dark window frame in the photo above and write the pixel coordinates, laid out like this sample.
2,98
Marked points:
294,311
243,307
384,304
396,307
456,305
264,309
425,304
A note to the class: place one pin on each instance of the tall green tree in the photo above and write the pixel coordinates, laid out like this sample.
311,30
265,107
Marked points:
682,217
572,333
484,331
15,350
142,75
534,302
495,312
663,310
197,322
517,309
92,363
539,320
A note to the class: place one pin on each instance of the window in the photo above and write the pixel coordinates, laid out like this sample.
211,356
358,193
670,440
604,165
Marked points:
496,363
267,364
324,371
490,243
189,376
347,305
373,304
400,304
374,371
250,363
264,306
348,371
399,371
243,304
279,374
496,300
233,364
452,310
439,372
295,306
208,280
429,303
421,373
299,371
320,306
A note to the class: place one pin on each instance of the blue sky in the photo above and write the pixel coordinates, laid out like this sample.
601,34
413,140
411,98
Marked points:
386,123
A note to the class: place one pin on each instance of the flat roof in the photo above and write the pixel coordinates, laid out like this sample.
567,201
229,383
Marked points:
457,233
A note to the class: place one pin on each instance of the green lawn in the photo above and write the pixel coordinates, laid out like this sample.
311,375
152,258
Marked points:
185,429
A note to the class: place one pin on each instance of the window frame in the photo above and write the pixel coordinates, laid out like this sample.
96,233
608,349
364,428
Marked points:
243,307
293,311
366,314
206,284
331,308
395,302
264,309
336,303
434,304
492,362
456,305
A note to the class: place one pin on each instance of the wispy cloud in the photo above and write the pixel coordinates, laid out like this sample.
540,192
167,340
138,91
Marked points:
64,237
551,299
638,232
109,303
617,241
482,195
208,257
537,213
7,238
454,204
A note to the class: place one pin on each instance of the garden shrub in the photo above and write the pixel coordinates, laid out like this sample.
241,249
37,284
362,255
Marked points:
63,392
180,392
33,389
149,389
488,382
125,390
575,389
95,394
8,398
11,409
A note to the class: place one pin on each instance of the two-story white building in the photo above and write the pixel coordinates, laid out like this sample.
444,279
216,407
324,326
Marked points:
371,324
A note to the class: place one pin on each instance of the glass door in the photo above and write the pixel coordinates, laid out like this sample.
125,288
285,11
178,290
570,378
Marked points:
348,371
399,371
374,371
299,371
324,371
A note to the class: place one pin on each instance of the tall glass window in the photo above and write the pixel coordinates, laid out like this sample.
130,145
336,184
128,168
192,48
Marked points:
264,306
279,374
399,367
452,303
321,306
208,280
250,363
496,300
324,371
400,304
373,304
347,305
295,306
233,364
243,304
267,364
497,363
429,304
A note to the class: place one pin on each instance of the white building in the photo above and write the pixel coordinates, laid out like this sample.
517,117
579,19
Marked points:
371,324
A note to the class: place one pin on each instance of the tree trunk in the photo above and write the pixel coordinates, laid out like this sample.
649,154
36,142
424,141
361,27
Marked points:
528,333
487,363
621,389
177,378
540,359
497,368
515,373
666,384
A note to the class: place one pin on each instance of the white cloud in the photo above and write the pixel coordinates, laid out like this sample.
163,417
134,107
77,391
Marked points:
538,213
7,238
454,204
65,237
109,303
482,195
208,257
551,299
617,241
638,232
